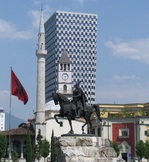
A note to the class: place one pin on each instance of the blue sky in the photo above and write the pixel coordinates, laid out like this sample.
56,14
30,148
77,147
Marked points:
122,48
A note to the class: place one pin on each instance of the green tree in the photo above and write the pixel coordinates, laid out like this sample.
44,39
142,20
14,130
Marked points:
125,113
45,148
38,146
53,153
3,145
115,146
28,147
146,150
42,148
14,156
140,149
37,154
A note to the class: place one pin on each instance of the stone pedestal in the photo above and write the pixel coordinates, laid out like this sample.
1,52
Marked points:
84,149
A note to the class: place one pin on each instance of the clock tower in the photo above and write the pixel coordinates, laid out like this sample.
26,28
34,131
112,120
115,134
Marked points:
65,75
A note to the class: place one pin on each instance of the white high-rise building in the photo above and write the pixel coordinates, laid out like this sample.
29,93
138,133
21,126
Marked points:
2,119
77,34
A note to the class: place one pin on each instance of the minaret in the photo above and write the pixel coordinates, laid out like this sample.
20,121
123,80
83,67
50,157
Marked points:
41,54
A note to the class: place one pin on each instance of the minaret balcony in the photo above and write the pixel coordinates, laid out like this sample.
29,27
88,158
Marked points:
41,52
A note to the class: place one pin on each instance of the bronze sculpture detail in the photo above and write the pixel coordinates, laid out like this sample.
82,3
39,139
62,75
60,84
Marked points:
75,108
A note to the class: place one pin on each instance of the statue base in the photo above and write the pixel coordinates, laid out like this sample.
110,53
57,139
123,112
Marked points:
73,148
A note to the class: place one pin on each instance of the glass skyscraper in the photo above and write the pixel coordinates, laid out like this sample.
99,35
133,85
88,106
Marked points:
77,34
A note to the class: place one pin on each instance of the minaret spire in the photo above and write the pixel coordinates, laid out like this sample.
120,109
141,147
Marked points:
41,54
41,24
41,34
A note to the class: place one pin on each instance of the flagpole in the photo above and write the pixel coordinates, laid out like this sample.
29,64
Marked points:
10,115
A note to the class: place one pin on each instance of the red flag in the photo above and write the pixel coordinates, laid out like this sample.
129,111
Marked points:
17,89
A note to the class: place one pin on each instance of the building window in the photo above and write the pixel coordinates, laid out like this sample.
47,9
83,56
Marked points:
124,133
93,131
61,67
65,88
64,67
146,133
99,131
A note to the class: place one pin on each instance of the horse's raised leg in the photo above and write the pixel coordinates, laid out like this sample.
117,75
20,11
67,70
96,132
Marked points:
70,123
55,117
83,127
90,130
97,112
88,121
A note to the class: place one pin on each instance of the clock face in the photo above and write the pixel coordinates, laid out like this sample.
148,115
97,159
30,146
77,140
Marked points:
65,76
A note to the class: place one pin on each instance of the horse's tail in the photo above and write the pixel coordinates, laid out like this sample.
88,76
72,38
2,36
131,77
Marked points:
97,109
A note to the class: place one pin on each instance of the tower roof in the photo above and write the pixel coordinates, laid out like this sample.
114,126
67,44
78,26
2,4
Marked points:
64,59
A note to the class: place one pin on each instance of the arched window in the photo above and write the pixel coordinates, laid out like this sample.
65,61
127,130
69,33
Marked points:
61,67
64,67
65,88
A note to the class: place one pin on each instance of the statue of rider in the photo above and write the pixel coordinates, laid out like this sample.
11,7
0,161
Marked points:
79,99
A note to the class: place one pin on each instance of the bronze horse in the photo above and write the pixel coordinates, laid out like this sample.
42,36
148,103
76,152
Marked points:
68,109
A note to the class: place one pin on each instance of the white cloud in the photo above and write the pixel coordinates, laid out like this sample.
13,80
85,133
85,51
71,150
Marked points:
40,1
123,77
35,15
48,11
9,31
134,49
24,35
6,26
4,93
132,93
81,1
37,2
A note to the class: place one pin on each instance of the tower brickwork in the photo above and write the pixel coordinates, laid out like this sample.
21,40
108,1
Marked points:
65,75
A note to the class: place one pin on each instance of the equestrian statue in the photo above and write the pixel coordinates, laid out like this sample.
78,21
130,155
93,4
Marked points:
77,108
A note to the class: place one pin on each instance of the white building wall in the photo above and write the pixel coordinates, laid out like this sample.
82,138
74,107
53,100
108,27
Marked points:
58,131
140,132
2,119
143,126
51,124
107,130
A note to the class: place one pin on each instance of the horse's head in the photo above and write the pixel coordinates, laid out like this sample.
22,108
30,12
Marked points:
55,98
60,98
